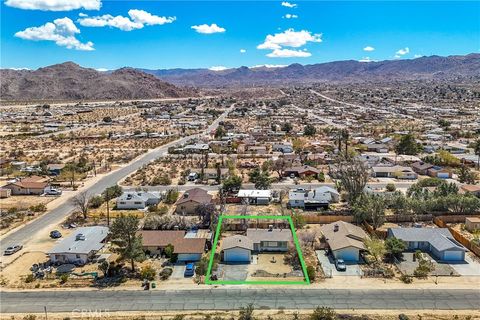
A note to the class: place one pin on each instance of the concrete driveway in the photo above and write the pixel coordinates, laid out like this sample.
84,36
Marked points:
232,272
328,265
178,271
470,267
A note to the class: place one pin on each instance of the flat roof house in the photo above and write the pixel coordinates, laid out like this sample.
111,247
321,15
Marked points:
437,241
398,172
80,246
191,199
344,239
302,171
255,196
137,200
312,199
26,187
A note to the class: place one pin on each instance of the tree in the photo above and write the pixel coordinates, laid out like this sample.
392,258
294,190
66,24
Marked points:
465,175
232,183
408,145
287,127
370,208
390,187
395,247
220,132
309,130
104,266
376,248
207,213
353,176
462,204
476,150
171,196
81,203
254,174
279,166
96,202
124,236
263,181
323,313
112,192
445,188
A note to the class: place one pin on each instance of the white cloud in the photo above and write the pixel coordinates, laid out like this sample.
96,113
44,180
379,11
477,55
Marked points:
289,38
269,66
102,69
138,19
287,53
366,59
418,56
61,31
18,69
208,29
288,4
401,52
243,50
217,68
290,16
368,48
55,5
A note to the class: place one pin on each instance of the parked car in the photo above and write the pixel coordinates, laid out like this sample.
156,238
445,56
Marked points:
189,270
53,192
11,250
340,265
55,234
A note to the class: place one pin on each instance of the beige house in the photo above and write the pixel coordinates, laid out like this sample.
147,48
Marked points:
472,223
190,201
344,239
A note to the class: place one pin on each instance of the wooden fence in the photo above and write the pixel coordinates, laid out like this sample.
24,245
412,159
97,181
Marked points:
470,245
324,219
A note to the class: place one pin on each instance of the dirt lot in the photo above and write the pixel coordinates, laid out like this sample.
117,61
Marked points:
24,202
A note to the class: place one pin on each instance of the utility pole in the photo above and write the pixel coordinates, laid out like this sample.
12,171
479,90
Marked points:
108,207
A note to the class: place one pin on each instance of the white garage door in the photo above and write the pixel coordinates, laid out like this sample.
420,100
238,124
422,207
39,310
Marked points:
236,255
443,175
453,255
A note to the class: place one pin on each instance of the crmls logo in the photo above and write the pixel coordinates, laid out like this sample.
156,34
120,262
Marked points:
91,313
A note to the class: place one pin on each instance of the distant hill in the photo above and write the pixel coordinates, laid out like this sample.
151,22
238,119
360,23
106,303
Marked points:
433,67
69,81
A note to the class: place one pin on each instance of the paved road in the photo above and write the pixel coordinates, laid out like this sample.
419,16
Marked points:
274,186
24,234
234,298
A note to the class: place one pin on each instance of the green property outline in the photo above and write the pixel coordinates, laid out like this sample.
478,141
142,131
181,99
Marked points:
295,240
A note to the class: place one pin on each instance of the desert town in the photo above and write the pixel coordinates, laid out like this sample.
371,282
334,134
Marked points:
317,186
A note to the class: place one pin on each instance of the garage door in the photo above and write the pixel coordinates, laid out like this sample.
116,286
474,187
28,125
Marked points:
443,175
347,254
453,255
237,255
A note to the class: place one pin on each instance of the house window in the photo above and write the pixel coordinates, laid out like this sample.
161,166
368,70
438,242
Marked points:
77,256
137,202
272,244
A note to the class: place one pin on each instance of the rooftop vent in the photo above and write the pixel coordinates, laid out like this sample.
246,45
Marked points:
185,195
335,228
80,237
270,227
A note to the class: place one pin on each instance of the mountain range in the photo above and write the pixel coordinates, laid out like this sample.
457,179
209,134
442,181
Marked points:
69,81
432,67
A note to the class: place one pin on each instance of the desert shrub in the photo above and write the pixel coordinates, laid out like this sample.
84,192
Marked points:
406,278
30,317
323,313
64,278
312,274
246,313
30,278
390,187
166,273
403,316
96,202
148,272
202,266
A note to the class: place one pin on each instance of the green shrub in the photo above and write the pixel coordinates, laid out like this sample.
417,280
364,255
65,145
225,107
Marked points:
323,313
30,278
406,278
148,273
64,278
166,273
312,274
96,202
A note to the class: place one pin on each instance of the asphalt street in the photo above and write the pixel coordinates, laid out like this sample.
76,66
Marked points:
24,234
234,298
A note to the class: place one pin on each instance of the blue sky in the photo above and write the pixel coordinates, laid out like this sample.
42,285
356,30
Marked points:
161,33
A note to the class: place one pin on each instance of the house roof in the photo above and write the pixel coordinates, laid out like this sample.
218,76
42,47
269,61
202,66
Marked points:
439,238
470,188
258,235
254,193
197,195
391,169
138,195
29,185
92,241
347,235
160,238
302,169
237,241
421,165
189,245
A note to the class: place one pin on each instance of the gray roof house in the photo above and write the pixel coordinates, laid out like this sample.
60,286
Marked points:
237,249
80,246
138,200
270,239
437,241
